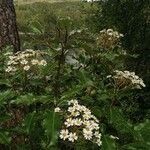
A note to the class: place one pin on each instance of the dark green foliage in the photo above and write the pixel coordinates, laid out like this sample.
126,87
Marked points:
27,101
130,17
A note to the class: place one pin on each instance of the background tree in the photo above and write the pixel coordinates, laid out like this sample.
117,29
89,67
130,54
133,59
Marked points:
130,17
8,27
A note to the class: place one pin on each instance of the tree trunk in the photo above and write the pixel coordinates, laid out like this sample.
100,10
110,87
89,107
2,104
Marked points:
8,28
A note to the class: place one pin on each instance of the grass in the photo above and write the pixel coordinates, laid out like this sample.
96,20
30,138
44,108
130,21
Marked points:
30,12
22,2
41,16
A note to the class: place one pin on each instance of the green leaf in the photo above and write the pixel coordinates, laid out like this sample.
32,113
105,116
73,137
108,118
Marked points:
23,147
4,117
25,99
37,28
110,56
137,146
51,124
29,122
5,82
118,120
71,92
5,96
143,129
29,99
108,143
85,79
4,137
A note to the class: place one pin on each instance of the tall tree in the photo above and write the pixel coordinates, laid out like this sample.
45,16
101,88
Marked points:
8,28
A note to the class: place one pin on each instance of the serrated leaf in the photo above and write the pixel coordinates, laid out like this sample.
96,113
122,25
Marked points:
25,99
28,123
29,99
51,124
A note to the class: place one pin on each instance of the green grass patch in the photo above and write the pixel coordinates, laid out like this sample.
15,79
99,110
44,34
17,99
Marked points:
20,2
43,11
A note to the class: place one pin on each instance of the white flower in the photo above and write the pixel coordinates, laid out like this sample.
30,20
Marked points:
75,113
135,80
24,62
94,125
57,109
72,137
99,142
23,57
8,69
87,134
12,57
103,31
87,111
26,68
43,63
78,122
35,62
109,30
8,53
114,137
83,108
30,50
86,123
110,35
109,76
142,83
73,101
95,119
71,109
80,119
64,134
78,107
121,35
26,55
10,62
69,122
87,114
91,125
97,134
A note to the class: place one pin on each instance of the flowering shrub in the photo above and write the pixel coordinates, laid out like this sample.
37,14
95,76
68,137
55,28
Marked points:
25,60
80,123
108,39
125,79
79,66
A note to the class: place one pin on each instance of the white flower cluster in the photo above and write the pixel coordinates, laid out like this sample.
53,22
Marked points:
25,60
108,39
79,122
132,79
111,33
